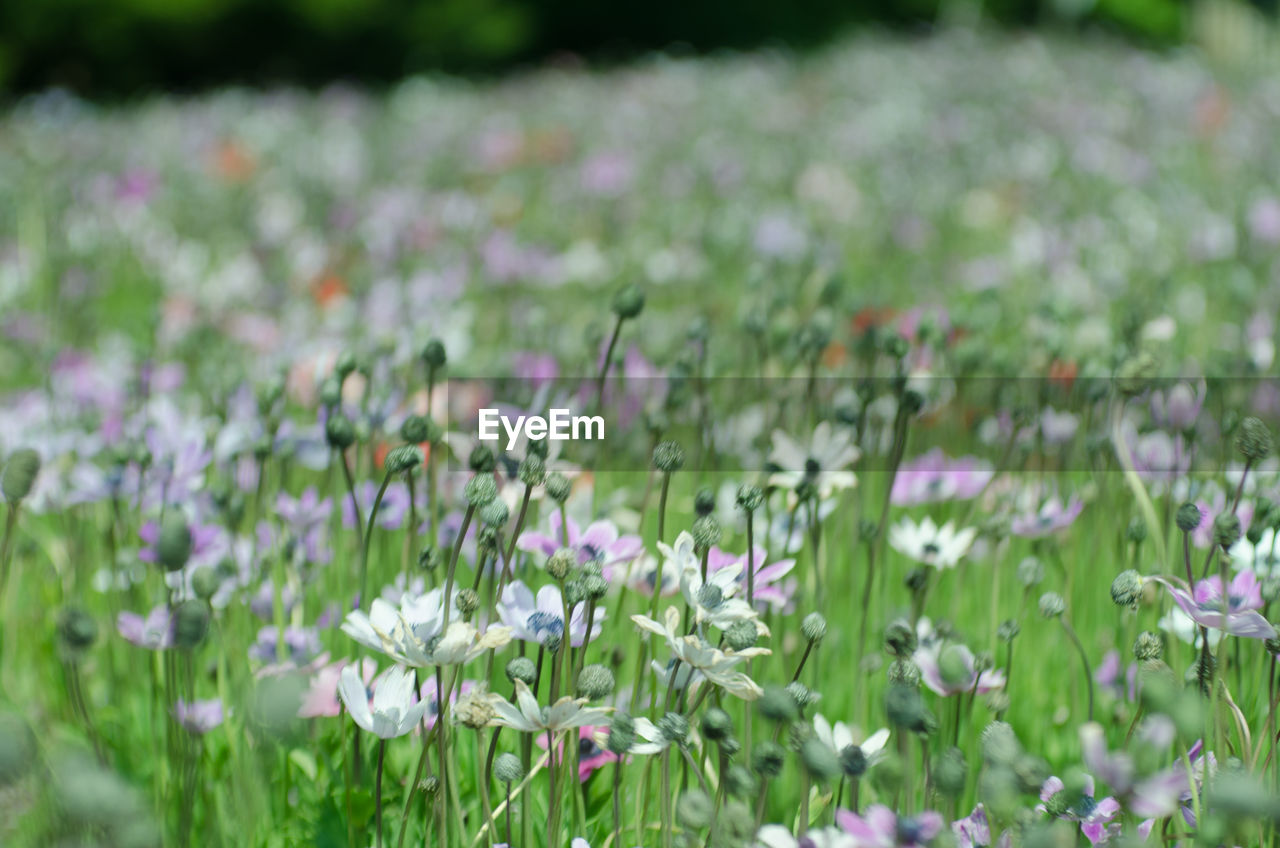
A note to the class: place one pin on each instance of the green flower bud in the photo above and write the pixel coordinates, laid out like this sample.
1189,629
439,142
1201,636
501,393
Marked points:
853,761
433,354
1030,572
481,460
674,728
1253,439
345,364
339,431
706,533
77,631
468,602
668,457
205,582
522,668
190,623
1188,517
777,705
173,546
900,638
622,734
1226,530
415,430
905,672
430,558
595,681
1052,605
495,513
704,502
1126,589
507,769
716,724
404,459
594,587
558,487
814,627
905,708
17,748
801,694
1008,630
628,302
950,772
480,490
742,634
330,392
741,783
1137,531
953,667
1148,646
19,474
532,471
819,761
694,809
767,759
749,498
561,564
1000,744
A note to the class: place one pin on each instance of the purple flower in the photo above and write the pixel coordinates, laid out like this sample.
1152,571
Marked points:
301,644
391,512
1178,407
882,828
155,632
771,591
932,477
209,544
198,717
600,542
305,517
928,657
1235,614
535,619
1094,816
1052,516
974,831
1202,535
1108,676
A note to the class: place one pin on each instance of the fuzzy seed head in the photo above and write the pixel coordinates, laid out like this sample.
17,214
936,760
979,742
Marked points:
595,681
1253,439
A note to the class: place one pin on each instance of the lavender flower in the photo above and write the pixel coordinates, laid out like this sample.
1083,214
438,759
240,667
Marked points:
933,478
198,717
1236,613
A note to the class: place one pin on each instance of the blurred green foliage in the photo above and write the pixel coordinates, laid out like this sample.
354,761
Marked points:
126,46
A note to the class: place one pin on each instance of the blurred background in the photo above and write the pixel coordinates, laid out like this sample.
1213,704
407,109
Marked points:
114,48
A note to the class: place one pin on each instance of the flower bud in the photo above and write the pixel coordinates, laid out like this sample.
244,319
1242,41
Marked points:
950,772
430,558
954,668
1030,572
622,734
507,769
1052,605
741,635
522,668
532,470
1188,517
205,582
330,393
905,672
674,728
595,681
17,748
561,564
1000,745
694,809
173,545
1148,646
495,513
1137,531
741,783
594,587
339,431
768,758
749,498
190,623
1253,439
1008,630
668,457
801,694
819,761
481,460
814,627
853,761
433,354
1226,530
415,429
905,708
480,490
706,533
716,724
704,502
628,302
468,602
777,705
77,631
19,474
403,459
558,487
900,638
1126,589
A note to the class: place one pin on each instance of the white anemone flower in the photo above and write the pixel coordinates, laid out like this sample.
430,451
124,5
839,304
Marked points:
412,636
824,461
839,736
528,716
393,712
714,664
1263,559
714,600
927,543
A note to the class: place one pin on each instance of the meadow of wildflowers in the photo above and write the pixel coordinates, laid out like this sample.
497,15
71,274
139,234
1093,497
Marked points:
936,502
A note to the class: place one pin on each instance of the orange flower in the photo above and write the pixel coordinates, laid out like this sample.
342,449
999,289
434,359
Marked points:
1063,372
233,163
327,288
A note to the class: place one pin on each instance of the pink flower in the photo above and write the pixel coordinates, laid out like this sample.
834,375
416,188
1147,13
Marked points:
882,828
321,697
1235,614
932,477
1094,816
591,752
